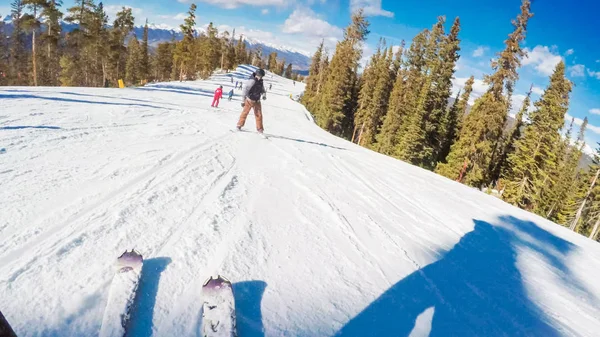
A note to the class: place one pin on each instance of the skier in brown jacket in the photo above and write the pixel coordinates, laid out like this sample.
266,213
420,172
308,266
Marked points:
253,90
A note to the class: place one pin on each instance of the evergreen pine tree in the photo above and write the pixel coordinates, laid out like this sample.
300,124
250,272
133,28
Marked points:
379,97
18,55
364,112
437,100
387,138
183,53
163,61
33,23
272,64
50,43
508,143
528,176
122,27
98,37
313,77
145,63
470,157
133,68
3,55
288,71
450,126
338,97
569,188
410,143
240,51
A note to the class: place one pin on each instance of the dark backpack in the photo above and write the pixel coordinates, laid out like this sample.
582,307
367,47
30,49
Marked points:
256,91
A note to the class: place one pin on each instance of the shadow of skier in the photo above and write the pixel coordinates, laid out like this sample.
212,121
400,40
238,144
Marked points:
476,289
248,297
142,313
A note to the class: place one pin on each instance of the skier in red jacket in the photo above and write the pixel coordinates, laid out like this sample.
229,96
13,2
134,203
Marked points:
218,96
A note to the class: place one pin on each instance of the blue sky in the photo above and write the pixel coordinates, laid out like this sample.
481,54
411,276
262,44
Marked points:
559,30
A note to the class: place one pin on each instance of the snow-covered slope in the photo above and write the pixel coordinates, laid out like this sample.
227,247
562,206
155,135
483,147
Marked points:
319,236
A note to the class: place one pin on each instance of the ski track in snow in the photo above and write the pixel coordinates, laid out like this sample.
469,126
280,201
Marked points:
319,237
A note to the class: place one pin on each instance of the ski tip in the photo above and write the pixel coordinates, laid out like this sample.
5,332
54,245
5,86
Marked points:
133,254
129,260
214,283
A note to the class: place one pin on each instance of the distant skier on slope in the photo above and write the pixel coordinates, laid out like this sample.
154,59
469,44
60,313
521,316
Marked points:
230,95
218,96
270,86
251,95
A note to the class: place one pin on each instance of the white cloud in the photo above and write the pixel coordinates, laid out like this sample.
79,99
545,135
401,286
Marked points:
232,4
577,70
180,16
579,122
542,58
595,111
480,51
479,88
265,11
569,52
371,7
595,74
537,90
112,10
304,21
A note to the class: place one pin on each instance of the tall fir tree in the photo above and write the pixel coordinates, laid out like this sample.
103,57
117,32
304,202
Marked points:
122,27
411,89
313,77
3,55
163,61
99,36
530,167
450,125
439,94
183,53
422,59
379,94
18,54
78,63
272,64
32,21
51,38
288,71
368,80
240,51
145,66
453,118
338,100
133,67
388,135
508,142
568,188
470,157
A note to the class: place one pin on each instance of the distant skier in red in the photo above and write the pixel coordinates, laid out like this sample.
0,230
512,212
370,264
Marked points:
218,96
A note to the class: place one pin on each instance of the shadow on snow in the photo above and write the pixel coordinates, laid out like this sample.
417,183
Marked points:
140,324
248,297
476,289
303,141
72,100
19,127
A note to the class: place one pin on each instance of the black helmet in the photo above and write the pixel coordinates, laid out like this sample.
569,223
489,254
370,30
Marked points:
260,73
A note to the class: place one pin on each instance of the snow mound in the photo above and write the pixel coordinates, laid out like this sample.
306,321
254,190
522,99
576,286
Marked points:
319,237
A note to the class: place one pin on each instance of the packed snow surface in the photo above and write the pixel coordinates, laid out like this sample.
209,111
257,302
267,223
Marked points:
319,236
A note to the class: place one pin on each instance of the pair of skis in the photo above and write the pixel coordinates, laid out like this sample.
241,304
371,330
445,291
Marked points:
218,310
262,135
